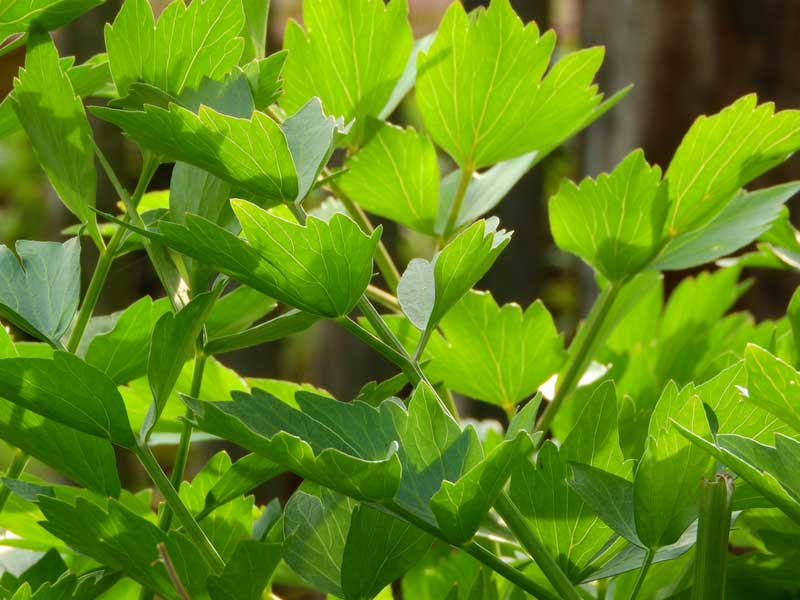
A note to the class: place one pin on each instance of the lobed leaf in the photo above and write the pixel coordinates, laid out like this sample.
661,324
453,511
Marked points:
20,16
772,385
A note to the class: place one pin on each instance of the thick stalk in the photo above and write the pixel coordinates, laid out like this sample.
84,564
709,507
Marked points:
637,586
458,201
530,541
711,553
173,500
582,354
15,469
383,298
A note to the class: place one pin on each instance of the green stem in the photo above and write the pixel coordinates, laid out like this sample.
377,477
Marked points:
581,355
711,552
173,500
15,469
383,298
185,441
637,586
477,551
458,201
11,46
530,541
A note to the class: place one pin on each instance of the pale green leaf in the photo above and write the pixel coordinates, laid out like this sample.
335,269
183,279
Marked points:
41,288
251,153
255,28
265,79
499,355
320,267
773,385
244,475
351,55
55,121
69,391
246,573
429,289
19,16
187,44
396,176
721,153
615,222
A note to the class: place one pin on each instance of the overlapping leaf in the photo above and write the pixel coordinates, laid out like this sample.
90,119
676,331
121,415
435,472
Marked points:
429,289
773,385
614,223
481,93
351,55
500,355
41,288
19,16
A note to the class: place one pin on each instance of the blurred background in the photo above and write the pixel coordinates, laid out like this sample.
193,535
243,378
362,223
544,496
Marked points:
685,57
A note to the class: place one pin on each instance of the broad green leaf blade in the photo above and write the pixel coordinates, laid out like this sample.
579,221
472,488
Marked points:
609,496
429,289
481,92
55,121
255,28
85,459
19,16
41,288
773,385
247,572
173,343
723,152
500,355
196,191
67,390
379,550
667,480
280,327
764,483
351,55
780,461
461,506
396,176
116,537
743,220
244,475
251,153
316,523
122,352
317,441
615,222
310,134
568,525
322,268
187,44
237,310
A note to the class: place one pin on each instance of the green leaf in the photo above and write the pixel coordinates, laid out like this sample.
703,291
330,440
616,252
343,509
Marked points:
310,135
567,525
743,220
721,153
55,121
765,483
67,390
615,222
237,310
187,44
316,442
41,289
396,176
265,79
781,461
280,327
244,475
379,550
773,385
500,355
85,459
247,572
255,26
321,267
461,506
481,93
666,484
122,352
429,289
350,55
252,154
19,16
173,343
118,538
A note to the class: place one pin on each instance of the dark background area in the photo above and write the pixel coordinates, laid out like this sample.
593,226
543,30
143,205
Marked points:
685,58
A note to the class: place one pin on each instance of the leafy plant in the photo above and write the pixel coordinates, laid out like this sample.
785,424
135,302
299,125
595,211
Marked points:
627,455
